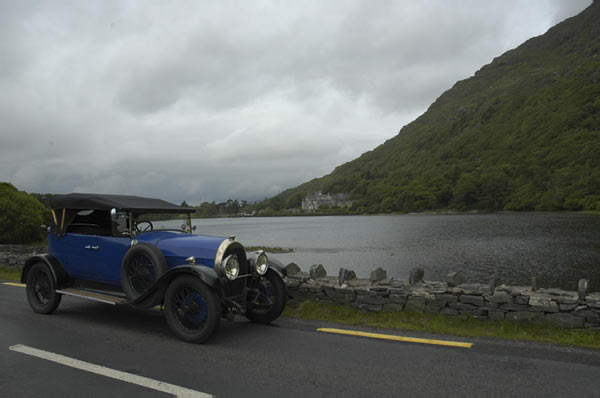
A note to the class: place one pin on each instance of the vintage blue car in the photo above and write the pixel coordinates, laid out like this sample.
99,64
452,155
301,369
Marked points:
105,248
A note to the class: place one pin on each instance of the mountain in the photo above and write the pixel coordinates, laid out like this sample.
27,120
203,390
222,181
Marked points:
523,133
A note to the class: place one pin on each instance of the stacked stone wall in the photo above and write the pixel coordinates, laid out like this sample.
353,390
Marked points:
16,255
492,300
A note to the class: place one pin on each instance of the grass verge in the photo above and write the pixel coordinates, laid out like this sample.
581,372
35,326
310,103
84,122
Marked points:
434,323
10,273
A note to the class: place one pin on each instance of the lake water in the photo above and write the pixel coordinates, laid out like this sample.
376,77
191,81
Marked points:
557,248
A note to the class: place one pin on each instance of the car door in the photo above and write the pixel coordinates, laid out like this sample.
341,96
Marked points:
77,253
107,258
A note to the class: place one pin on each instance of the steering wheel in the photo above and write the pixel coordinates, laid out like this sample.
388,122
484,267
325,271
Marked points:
146,228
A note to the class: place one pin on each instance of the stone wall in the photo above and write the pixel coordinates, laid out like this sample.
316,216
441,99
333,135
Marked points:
492,300
16,255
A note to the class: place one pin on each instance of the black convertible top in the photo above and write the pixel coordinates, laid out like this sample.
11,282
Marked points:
134,204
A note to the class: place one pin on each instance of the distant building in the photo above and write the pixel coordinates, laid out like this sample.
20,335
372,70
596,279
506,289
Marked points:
314,200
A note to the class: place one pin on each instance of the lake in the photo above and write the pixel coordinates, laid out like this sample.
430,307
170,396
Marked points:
557,248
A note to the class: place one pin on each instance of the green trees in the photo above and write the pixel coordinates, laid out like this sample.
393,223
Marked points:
21,216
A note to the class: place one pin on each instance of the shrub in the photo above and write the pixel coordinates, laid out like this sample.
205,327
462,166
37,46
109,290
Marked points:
21,216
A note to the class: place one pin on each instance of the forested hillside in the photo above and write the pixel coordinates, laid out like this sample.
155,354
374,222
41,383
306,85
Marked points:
523,133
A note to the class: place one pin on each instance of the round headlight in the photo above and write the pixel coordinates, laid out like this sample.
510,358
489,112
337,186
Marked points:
262,264
232,267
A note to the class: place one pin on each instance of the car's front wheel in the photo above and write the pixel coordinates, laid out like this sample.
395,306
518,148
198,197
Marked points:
41,289
192,309
267,297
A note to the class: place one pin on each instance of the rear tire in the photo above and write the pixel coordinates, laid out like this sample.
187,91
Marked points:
142,266
192,309
41,289
270,301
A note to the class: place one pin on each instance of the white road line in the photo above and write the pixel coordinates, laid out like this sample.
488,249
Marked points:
108,372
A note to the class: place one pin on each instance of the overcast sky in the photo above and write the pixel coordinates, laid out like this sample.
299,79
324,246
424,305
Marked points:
240,99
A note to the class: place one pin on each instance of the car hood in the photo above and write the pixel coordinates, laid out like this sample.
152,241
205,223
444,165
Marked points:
176,247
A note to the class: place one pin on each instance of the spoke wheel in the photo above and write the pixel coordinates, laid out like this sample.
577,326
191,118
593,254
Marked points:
266,299
41,290
192,309
140,274
142,266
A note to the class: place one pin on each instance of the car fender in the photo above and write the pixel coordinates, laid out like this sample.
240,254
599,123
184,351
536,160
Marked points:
155,295
278,267
61,277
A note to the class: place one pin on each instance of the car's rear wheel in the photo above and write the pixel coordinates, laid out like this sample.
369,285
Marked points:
192,309
41,289
142,266
267,298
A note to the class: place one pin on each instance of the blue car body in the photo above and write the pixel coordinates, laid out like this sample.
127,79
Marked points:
98,258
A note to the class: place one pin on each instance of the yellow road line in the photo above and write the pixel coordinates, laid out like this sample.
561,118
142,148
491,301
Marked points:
14,284
396,338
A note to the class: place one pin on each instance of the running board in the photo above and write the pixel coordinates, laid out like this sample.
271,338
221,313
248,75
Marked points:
95,296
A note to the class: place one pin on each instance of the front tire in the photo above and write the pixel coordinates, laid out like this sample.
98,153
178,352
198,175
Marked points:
192,309
269,298
41,289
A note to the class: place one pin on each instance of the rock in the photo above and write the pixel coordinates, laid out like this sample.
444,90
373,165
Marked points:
542,304
514,307
398,298
416,276
524,300
378,274
448,311
495,315
565,320
472,288
292,269
499,298
567,307
515,290
525,316
345,275
582,287
494,281
590,315
462,306
415,304
593,300
446,298
385,282
376,300
423,294
380,289
470,299
534,284
293,284
399,284
392,307
317,271
561,296
454,279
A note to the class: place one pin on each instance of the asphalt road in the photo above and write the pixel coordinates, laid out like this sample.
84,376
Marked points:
287,359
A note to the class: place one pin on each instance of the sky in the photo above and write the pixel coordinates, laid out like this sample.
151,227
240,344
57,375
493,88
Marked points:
212,100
